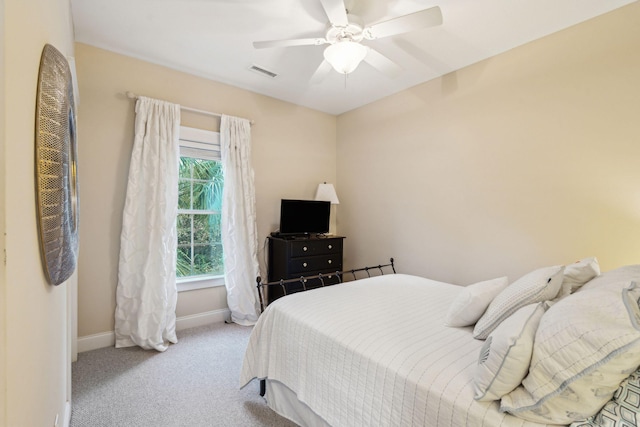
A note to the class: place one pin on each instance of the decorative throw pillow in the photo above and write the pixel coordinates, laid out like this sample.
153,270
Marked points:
473,300
539,285
623,410
577,274
585,346
506,354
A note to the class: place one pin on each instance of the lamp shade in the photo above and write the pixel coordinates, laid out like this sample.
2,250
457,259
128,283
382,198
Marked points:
345,55
327,193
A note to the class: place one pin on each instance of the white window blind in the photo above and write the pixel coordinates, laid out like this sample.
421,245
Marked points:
199,143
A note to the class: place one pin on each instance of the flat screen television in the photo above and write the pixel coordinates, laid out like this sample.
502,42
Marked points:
304,217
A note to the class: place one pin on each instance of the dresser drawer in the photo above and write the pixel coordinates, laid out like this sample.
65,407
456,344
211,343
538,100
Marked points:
293,258
308,265
316,247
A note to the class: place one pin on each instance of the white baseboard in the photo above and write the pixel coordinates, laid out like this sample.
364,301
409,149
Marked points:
201,319
108,339
67,414
95,341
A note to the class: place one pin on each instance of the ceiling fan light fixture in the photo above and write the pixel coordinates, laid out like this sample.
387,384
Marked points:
345,55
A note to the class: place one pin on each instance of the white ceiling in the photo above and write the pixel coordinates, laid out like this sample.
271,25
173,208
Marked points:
213,39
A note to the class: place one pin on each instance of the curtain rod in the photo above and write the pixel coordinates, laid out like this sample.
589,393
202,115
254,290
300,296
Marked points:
132,95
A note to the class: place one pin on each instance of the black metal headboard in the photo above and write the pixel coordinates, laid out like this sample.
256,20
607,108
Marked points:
322,279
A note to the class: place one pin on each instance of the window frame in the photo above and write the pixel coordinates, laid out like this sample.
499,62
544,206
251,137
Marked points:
200,144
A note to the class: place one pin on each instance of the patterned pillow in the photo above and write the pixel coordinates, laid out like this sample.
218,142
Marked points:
505,356
473,300
585,346
623,410
540,285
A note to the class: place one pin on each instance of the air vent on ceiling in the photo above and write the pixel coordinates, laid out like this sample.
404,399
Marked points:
262,71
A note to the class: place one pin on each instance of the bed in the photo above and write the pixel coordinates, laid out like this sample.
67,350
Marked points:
375,351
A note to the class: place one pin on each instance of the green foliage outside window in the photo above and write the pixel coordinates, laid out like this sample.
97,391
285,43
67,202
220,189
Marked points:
199,204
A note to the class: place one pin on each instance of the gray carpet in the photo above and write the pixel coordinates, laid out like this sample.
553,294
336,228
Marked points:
195,383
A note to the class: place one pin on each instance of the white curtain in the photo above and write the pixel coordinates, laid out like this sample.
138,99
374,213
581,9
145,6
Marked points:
239,233
146,294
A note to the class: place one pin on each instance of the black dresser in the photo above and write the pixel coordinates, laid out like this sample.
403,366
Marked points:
295,257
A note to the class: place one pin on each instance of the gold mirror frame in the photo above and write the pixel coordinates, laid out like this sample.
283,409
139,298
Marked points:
56,167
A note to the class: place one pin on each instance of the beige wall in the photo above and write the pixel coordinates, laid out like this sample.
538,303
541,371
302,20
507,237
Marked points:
293,150
3,246
35,327
526,159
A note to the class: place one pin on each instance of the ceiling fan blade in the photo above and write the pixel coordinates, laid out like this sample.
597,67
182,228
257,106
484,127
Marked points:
287,43
321,72
403,24
382,63
336,12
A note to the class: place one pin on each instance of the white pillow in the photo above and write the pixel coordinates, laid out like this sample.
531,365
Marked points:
627,273
577,274
504,358
473,300
539,285
585,346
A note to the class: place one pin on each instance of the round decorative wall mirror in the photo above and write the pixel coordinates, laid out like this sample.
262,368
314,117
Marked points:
56,171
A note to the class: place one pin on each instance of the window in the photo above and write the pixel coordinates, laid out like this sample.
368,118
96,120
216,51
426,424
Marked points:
199,260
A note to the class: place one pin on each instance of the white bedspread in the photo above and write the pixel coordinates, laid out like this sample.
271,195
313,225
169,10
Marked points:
374,352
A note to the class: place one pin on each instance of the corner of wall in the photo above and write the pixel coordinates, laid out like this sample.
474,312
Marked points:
3,281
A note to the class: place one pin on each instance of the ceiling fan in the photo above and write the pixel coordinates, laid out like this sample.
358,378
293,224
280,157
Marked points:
346,32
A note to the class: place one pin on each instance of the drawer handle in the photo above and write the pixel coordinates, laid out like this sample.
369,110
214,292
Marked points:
304,264
304,248
330,246
329,261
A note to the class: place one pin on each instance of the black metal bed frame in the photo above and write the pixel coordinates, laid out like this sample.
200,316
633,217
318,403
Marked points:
322,276
303,280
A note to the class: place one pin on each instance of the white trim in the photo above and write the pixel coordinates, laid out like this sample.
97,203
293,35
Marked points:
202,319
108,339
95,341
199,135
67,414
193,283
